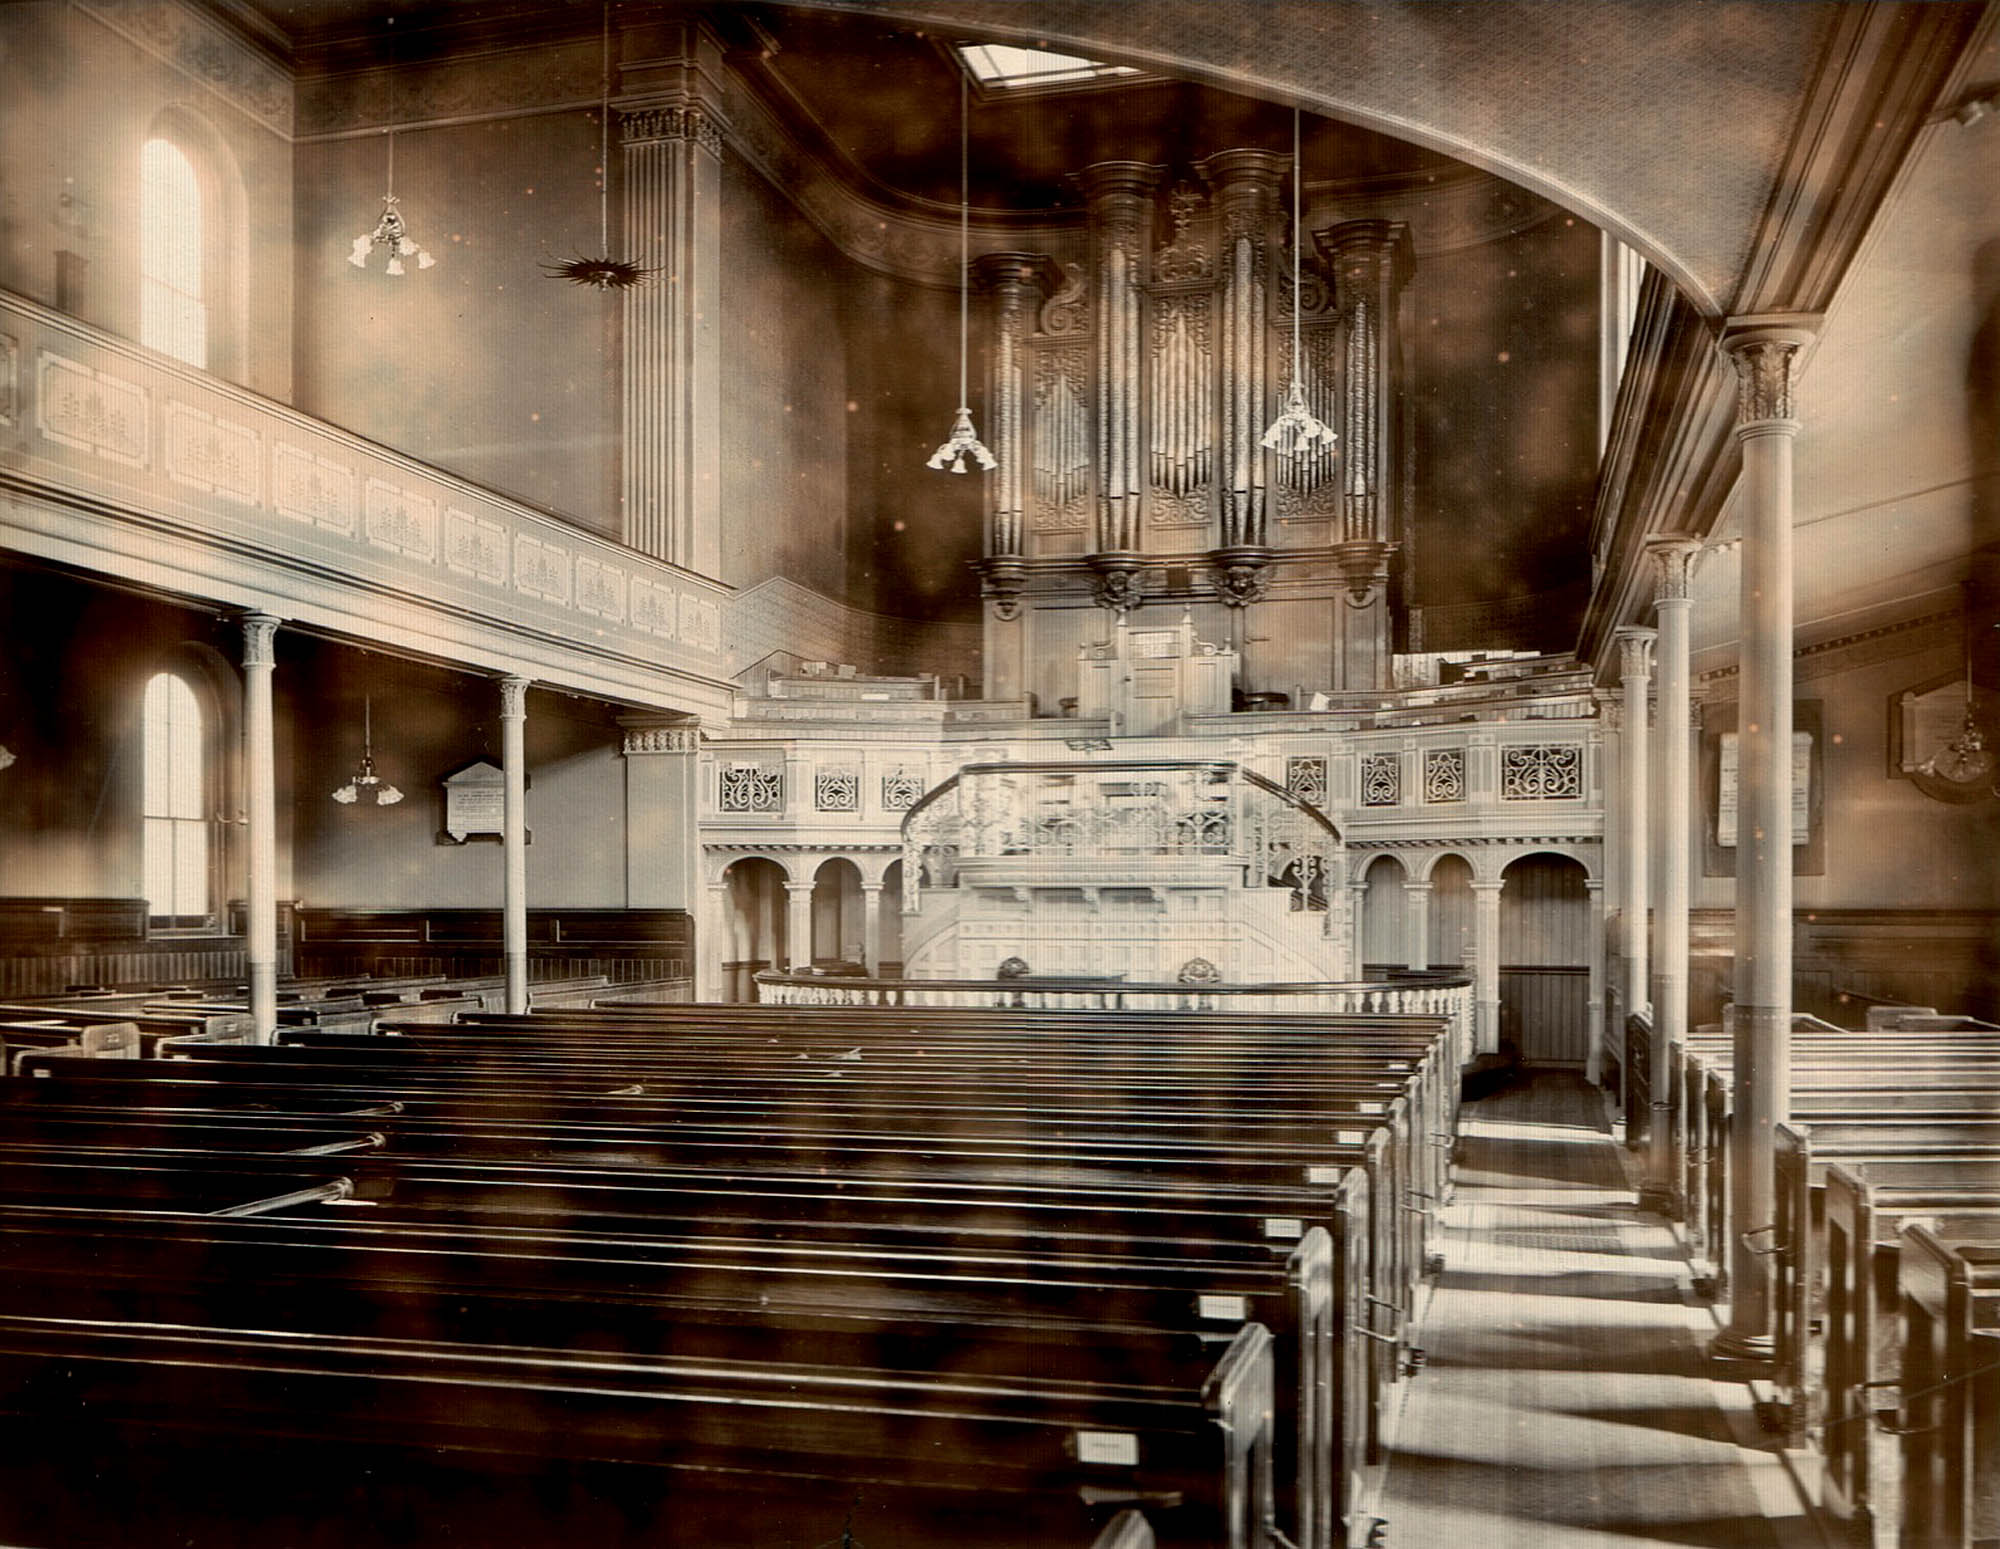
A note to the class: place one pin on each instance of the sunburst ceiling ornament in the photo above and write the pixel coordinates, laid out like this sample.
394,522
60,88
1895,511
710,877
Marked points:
1296,431
963,442
603,271
390,230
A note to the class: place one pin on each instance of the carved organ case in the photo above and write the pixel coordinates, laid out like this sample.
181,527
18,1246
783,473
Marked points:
1127,396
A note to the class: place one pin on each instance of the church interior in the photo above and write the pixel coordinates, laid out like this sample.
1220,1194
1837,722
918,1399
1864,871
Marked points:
802,773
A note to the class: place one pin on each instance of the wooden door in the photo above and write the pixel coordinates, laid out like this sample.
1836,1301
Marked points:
1544,960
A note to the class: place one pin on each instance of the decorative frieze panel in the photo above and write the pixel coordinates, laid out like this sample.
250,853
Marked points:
310,488
1381,779
205,52
475,546
901,790
750,788
215,456
401,522
1305,778
1541,772
93,411
541,569
600,589
836,790
701,622
1444,774
655,608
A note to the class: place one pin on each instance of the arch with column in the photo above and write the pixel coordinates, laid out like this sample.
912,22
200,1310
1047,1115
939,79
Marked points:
752,925
1544,955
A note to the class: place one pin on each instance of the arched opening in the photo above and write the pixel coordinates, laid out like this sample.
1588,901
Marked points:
890,905
1384,918
1545,959
1450,912
756,925
838,925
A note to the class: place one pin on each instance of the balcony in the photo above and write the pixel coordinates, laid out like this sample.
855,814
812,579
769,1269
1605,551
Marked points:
120,461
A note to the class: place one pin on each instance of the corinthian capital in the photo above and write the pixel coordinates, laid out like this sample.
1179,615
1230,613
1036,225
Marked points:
1635,651
1766,352
1673,566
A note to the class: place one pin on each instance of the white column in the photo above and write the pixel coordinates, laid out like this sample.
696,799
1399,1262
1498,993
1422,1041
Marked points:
260,775
1416,923
1635,649
1766,353
1672,818
672,207
1357,913
713,941
799,925
514,837
1486,966
871,927
1594,1064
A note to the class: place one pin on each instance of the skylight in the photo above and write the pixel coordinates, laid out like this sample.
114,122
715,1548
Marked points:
999,65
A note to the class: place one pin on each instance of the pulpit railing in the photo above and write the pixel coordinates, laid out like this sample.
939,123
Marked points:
1133,813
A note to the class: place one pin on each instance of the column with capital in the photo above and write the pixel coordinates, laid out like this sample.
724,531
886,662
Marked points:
663,819
1673,559
871,928
799,926
1120,199
1635,654
1372,260
1594,1063
514,841
1766,352
714,939
1357,911
1486,966
1416,924
260,775
1015,282
672,180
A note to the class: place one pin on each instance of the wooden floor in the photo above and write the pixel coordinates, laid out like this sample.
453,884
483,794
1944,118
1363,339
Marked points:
1566,1402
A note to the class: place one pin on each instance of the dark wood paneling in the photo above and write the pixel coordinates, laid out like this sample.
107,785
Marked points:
1544,914
1947,958
1545,1010
622,944
1451,924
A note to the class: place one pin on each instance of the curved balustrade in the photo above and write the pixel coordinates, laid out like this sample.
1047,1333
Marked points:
1136,812
1440,994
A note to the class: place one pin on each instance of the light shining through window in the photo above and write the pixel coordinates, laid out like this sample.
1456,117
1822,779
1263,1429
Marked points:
997,64
175,803
172,316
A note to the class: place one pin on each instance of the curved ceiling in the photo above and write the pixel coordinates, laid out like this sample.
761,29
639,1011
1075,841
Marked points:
1665,122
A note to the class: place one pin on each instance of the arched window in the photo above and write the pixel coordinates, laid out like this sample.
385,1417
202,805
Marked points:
176,803
173,312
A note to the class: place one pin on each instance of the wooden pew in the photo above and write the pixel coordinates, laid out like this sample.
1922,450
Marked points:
1950,1420
1863,1323
292,1408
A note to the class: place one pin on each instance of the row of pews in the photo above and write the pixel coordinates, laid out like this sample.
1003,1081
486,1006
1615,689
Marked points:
1885,1255
735,1275
125,1023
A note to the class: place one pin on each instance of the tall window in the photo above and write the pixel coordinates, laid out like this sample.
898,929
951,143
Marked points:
176,803
173,317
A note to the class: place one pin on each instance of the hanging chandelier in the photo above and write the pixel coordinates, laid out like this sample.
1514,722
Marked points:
602,270
963,441
365,780
1296,432
390,230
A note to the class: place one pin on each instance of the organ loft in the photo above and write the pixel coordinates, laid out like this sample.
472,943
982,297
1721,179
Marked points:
944,772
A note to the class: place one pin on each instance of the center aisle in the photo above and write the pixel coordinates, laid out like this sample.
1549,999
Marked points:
1567,1401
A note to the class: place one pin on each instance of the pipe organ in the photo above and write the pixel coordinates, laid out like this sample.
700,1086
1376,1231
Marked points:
1127,395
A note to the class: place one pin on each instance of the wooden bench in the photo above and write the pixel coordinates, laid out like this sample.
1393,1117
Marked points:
1950,1419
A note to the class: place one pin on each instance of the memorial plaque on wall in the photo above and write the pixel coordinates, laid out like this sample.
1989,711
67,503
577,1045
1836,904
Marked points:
475,803
1718,789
